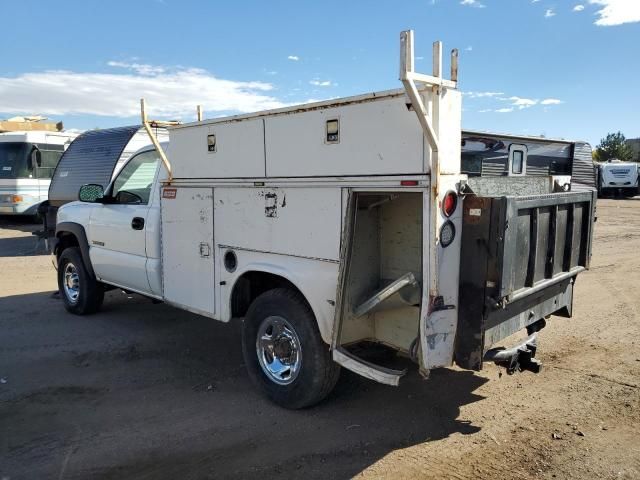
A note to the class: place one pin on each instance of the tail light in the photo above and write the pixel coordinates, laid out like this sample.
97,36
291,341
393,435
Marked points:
449,203
447,233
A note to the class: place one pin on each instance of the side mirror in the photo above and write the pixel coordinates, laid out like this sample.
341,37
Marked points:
90,193
36,158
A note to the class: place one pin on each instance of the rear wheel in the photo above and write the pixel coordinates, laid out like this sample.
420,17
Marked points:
284,352
81,293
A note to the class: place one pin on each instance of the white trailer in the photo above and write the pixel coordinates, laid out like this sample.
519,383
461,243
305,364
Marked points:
618,178
330,227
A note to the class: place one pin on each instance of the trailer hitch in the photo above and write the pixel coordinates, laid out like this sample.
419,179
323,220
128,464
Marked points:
518,358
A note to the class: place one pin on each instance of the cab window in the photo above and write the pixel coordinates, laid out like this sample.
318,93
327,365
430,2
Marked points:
133,184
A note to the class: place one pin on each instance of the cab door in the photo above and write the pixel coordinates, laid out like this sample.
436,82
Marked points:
117,228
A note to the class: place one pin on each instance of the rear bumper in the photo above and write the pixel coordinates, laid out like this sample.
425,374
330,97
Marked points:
627,191
18,208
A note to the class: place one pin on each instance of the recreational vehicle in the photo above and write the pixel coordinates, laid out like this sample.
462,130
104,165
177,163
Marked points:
28,159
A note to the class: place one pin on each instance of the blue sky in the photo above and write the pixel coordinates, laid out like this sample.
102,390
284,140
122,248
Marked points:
559,68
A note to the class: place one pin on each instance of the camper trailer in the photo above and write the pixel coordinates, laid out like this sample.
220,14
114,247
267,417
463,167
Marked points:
95,156
618,179
334,229
567,165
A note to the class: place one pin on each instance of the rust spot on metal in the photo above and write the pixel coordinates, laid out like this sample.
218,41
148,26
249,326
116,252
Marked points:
270,205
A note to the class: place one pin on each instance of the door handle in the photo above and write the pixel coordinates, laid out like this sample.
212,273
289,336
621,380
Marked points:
137,223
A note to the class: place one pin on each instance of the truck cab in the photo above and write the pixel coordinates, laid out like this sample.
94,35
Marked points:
122,244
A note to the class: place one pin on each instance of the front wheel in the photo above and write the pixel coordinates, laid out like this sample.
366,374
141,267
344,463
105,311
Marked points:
81,293
284,352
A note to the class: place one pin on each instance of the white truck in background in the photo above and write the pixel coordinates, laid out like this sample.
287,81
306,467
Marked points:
29,153
333,228
616,178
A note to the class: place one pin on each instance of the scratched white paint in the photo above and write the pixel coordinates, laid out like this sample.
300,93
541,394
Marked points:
188,276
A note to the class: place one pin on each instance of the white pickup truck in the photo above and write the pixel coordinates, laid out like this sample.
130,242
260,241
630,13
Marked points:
334,228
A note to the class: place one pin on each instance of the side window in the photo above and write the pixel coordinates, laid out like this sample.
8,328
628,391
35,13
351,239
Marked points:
517,159
133,183
48,161
471,164
517,162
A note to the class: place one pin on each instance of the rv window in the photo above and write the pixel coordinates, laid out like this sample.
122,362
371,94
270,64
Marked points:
49,161
517,162
471,164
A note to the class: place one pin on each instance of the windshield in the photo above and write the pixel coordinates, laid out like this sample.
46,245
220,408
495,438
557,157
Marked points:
14,160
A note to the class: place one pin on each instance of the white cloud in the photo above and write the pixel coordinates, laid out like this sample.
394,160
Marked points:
322,83
141,68
535,1
170,92
294,58
549,13
468,49
578,8
483,94
472,3
514,102
617,12
522,103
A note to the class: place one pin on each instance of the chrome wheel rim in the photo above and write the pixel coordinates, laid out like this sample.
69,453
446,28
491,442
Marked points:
71,282
279,350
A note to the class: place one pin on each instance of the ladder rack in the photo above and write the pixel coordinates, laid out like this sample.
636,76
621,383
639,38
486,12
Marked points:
150,124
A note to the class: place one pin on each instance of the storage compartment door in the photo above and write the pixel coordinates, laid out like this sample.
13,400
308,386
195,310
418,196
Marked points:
187,248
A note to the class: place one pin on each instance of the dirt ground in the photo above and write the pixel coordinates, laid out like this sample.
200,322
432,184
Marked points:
146,391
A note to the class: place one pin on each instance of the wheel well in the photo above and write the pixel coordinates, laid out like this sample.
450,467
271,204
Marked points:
252,284
66,240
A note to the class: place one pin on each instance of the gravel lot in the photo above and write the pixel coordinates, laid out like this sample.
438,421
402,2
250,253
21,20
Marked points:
143,390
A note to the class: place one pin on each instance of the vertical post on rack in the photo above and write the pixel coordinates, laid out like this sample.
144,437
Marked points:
437,327
454,65
154,139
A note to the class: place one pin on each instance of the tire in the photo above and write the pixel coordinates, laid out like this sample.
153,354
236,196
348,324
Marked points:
84,294
312,374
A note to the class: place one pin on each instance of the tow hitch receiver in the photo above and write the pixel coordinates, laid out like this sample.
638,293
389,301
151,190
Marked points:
518,358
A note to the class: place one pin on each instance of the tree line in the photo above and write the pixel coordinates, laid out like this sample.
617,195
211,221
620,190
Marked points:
613,146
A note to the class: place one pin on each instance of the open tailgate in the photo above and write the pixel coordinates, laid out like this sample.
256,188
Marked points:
519,260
